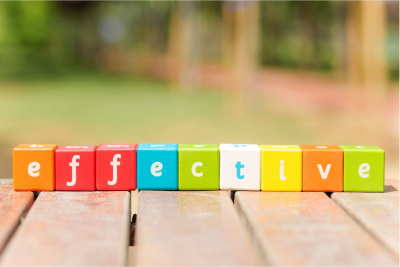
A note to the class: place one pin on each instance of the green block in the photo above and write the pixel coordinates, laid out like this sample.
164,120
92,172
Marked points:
198,167
364,169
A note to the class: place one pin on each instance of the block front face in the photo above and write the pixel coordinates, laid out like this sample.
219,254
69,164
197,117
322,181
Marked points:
281,168
198,167
116,167
239,167
157,167
33,167
364,168
75,168
322,168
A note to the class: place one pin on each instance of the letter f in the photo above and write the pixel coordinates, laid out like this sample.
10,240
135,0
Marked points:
114,163
73,164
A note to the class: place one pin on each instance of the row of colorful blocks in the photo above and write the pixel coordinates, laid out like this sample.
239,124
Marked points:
42,167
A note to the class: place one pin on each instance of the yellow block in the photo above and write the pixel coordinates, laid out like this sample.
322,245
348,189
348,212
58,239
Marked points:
281,168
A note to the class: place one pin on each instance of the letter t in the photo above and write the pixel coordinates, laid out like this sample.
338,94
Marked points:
238,166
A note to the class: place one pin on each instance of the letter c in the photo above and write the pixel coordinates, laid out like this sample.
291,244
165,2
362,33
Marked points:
194,166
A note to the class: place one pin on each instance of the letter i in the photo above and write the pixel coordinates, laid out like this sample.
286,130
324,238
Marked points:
282,170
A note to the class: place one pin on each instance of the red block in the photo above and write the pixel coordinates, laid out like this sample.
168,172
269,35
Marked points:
75,168
116,167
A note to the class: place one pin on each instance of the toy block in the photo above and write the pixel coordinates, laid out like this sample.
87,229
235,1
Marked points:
116,167
75,168
33,167
364,168
281,168
198,167
157,167
239,167
322,168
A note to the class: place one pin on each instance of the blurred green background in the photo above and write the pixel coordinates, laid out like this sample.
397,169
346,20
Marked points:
199,72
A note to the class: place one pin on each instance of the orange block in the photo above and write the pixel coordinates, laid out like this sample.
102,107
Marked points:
33,167
322,168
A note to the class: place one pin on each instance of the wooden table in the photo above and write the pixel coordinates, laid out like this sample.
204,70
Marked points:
198,228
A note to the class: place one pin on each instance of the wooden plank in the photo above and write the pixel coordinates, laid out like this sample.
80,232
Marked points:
13,206
306,228
191,228
378,213
73,228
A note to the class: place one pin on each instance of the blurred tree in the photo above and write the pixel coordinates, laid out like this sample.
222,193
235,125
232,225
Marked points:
241,30
180,45
367,69
46,36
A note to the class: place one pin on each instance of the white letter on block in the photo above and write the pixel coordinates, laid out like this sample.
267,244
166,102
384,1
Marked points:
324,174
73,164
35,145
282,170
363,170
195,165
156,168
114,163
33,169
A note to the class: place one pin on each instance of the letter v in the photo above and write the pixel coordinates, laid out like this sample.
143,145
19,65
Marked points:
324,174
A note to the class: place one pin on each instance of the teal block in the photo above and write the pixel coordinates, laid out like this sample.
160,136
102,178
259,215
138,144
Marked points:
364,169
198,167
157,167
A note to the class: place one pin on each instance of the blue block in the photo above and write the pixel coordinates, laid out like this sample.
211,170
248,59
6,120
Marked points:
157,167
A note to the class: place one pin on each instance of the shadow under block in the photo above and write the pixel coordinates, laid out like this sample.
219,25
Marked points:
239,167
198,167
75,168
116,167
322,168
281,168
157,167
364,168
33,167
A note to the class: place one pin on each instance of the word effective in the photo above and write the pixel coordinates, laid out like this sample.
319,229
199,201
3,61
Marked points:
46,167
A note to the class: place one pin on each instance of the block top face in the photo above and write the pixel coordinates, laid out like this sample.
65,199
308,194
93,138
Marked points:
280,148
361,148
73,148
194,147
36,147
316,148
171,147
239,147
117,147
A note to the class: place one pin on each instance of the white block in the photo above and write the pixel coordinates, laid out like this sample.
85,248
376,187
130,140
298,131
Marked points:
239,167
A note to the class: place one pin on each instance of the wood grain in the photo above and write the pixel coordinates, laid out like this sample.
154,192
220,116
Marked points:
191,228
73,228
13,205
378,213
306,228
